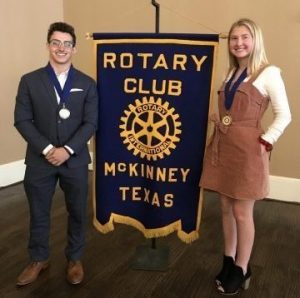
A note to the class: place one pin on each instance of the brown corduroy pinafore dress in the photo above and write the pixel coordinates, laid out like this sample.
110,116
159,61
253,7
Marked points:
235,164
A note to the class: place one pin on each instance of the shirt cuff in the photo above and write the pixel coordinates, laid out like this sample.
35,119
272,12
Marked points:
47,149
70,150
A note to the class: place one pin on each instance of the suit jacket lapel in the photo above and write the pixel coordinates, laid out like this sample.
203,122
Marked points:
49,87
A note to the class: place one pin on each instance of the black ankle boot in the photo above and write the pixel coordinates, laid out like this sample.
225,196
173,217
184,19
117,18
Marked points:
235,280
228,263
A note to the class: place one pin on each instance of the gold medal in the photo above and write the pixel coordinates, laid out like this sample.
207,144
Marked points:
226,120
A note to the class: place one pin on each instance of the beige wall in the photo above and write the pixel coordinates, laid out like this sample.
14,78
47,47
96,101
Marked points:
105,16
279,19
23,29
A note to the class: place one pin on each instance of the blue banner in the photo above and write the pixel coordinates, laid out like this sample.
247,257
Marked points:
154,91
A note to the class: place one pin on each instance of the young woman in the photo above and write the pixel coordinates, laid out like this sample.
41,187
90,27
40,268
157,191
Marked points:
236,163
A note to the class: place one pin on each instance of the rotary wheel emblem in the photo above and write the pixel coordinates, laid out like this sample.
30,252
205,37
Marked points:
150,128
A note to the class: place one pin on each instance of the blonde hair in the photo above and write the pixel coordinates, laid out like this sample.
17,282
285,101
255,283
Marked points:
257,58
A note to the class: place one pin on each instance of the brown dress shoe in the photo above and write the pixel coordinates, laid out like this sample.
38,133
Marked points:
31,272
75,272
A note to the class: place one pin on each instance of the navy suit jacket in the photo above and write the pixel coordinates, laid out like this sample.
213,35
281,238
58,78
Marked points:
37,119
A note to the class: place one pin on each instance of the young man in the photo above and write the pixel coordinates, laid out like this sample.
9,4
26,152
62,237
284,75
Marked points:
56,113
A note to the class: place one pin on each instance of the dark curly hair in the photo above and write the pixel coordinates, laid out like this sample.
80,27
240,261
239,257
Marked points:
61,27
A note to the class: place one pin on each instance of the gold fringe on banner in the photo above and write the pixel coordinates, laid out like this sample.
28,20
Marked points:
152,233
148,233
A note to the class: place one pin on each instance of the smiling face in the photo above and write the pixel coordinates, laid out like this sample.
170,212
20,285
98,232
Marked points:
241,44
61,50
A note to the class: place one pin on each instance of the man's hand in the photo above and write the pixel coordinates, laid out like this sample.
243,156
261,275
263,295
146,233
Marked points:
57,156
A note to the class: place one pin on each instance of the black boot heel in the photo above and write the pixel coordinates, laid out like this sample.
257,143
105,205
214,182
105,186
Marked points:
228,263
235,280
246,283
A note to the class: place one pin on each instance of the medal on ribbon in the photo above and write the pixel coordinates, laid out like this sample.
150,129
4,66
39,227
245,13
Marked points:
227,120
64,113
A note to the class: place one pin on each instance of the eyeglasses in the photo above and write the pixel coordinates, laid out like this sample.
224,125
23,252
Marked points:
57,43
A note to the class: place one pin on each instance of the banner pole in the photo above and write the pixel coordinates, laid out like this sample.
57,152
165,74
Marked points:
157,12
152,258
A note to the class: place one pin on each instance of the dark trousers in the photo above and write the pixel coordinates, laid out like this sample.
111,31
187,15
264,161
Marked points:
40,185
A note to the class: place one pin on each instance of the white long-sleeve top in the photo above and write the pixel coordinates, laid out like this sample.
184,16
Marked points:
270,83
